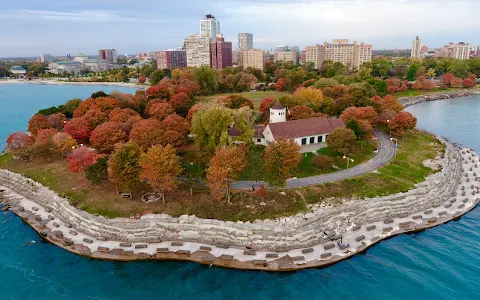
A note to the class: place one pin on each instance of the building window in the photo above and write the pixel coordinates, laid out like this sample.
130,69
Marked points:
320,139
312,140
259,140
304,141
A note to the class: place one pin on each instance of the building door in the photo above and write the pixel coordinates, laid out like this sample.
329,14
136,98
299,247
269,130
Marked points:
320,139
304,141
312,140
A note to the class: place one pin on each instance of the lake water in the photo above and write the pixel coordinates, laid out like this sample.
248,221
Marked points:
439,263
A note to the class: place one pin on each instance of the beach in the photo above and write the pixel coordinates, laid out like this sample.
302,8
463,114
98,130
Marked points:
61,82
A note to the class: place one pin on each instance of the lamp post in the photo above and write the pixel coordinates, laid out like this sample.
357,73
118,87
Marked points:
348,161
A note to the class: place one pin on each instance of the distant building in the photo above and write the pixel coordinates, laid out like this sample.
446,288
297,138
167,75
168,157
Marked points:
245,41
108,54
17,70
146,55
46,58
209,27
235,57
251,58
171,59
416,48
353,56
286,55
198,50
452,50
81,58
221,53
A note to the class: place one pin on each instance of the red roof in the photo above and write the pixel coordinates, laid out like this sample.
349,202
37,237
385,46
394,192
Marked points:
259,131
278,105
306,127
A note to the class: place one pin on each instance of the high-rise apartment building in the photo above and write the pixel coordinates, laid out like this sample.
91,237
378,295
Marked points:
452,50
198,50
416,48
251,58
245,41
209,27
171,59
108,54
221,53
46,58
353,56
286,55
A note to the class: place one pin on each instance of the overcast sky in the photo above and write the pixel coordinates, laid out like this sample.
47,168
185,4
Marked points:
58,27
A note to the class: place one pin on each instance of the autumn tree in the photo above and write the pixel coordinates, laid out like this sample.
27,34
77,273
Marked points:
44,145
266,104
281,85
210,127
224,167
447,79
471,81
423,84
57,121
36,123
235,101
301,112
431,73
161,168
64,143
176,123
142,79
146,133
193,110
174,138
81,158
310,95
456,82
341,140
20,143
387,103
121,115
95,117
124,168
279,160
180,100
79,129
161,110
402,123
368,114
323,162
105,136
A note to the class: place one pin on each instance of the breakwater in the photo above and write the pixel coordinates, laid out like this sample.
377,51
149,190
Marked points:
322,237
408,101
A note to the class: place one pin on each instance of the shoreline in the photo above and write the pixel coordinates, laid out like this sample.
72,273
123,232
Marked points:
57,82
409,101
445,196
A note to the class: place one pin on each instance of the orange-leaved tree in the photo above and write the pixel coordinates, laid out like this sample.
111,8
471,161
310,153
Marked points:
38,122
124,168
79,129
224,168
280,160
146,133
161,168
105,136
402,123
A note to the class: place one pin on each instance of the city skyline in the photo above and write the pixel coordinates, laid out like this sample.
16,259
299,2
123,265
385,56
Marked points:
86,26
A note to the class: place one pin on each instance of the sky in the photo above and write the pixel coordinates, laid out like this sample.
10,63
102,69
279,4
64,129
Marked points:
58,27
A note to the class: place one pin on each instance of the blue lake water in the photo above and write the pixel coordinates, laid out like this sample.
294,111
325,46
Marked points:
439,263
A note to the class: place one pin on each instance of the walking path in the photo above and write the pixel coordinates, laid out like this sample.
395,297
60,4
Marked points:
386,152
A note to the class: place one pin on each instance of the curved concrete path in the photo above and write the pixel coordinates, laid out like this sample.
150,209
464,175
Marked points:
386,152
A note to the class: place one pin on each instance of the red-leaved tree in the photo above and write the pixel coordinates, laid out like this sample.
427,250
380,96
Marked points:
266,104
57,121
281,84
38,122
18,141
402,123
177,123
146,133
105,136
180,100
79,129
81,158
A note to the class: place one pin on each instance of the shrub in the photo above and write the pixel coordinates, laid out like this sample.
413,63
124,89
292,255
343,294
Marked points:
97,172
323,162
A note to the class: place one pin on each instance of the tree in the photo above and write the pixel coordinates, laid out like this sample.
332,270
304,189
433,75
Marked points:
161,110
95,117
180,100
64,143
224,167
98,172
402,123
325,82
470,81
124,168
323,162
456,82
105,136
79,129
193,110
280,158
235,101
266,104
210,127
174,138
177,123
431,73
387,103
281,84
81,158
156,76
244,122
412,72
36,123
423,84
310,95
299,112
44,145
459,68
360,113
57,120
146,133
341,140
447,79
121,115
161,168
207,78
142,79
19,142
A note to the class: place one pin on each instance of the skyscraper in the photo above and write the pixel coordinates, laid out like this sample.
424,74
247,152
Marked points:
198,50
245,41
209,27
108,54
171,59
416,48
221,53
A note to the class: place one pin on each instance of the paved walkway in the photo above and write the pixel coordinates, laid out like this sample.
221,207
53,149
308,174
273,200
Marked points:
385,153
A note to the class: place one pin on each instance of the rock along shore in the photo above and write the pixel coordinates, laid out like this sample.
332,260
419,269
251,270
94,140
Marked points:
317,239
408,101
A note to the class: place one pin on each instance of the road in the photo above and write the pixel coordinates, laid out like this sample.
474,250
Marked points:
385,153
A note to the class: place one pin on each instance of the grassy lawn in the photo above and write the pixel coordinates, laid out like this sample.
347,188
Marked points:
414,93
400,175
256,97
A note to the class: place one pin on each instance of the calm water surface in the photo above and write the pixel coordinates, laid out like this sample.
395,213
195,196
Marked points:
440,263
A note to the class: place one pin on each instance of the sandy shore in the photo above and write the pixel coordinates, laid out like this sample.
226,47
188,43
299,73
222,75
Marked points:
58,82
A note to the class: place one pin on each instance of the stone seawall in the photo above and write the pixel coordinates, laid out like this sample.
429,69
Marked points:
408,101
290,243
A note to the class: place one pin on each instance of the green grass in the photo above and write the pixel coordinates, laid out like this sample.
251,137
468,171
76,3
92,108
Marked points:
414,93
400,175
5,158
256,97
253,169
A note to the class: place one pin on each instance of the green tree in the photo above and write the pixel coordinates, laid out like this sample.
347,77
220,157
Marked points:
124,168
381,67
412,72
98,172
210,126
207,78
342,140
156,76
244,121
459,68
